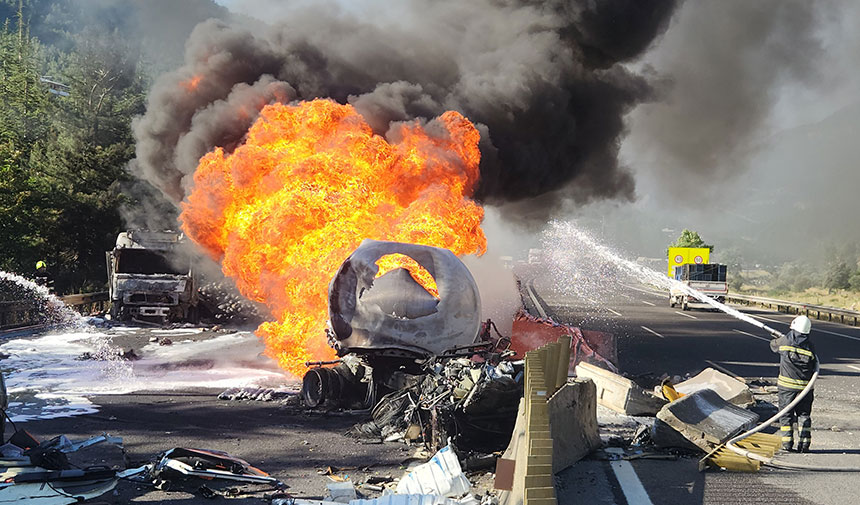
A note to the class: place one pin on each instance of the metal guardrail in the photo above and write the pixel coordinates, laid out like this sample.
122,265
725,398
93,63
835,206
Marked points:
18,313
820,312
98,299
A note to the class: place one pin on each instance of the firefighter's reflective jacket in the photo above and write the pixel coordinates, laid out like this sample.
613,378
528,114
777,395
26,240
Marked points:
796,359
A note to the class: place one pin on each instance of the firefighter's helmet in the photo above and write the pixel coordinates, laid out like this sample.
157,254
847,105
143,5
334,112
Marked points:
41,264
801,324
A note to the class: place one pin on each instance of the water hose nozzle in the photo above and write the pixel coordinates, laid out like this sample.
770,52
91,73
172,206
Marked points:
773,332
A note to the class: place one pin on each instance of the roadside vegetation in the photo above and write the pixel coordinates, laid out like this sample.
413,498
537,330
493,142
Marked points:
835,282
73,74
65,138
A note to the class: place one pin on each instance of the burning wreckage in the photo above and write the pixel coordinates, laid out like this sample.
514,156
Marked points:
405,321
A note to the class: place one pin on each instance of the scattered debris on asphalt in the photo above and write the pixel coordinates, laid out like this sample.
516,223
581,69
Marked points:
441,476
33,470
182,467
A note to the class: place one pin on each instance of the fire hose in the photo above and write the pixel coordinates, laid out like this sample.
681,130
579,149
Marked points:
770,461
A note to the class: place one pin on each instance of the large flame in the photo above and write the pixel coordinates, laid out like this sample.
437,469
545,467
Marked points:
310,183
421,275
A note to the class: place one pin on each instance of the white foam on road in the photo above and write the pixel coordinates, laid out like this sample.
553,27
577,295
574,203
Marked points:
46,379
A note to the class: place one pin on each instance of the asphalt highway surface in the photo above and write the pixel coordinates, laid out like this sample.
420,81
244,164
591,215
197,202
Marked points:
654,339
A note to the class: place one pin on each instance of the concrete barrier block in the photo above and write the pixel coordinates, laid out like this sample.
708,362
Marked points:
573,422
619,393
705,419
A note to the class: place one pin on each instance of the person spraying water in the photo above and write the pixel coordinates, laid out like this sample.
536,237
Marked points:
561,236
797,364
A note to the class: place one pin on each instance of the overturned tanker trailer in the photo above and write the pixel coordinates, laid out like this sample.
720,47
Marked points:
393,314
406,321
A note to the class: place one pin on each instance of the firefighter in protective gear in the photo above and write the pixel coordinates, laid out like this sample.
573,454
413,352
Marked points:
797,363
41,275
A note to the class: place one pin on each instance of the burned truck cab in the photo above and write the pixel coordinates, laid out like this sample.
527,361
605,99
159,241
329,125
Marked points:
151,277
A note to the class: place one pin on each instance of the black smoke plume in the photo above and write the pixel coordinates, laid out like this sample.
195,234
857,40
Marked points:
726,64
544,80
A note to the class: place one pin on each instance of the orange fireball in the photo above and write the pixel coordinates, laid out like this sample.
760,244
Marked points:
420,274
311,182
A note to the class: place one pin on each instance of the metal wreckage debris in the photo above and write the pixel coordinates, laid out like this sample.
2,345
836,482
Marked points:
422,361
469,395
41,472
416,354
179,464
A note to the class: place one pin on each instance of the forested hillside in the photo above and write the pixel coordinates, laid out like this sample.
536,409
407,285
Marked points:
73,74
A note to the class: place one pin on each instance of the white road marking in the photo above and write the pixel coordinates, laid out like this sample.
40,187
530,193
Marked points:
751,335
648,303
616,313
686,315
836,334
649,330
768,319
854,367
631,486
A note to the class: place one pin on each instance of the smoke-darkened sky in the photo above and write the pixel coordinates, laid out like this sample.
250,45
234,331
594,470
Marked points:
732,118
751,142
546,83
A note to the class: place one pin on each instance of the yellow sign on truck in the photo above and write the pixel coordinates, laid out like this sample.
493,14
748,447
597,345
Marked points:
687,255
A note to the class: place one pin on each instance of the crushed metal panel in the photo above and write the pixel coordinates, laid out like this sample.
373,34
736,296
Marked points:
529,332
395,312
